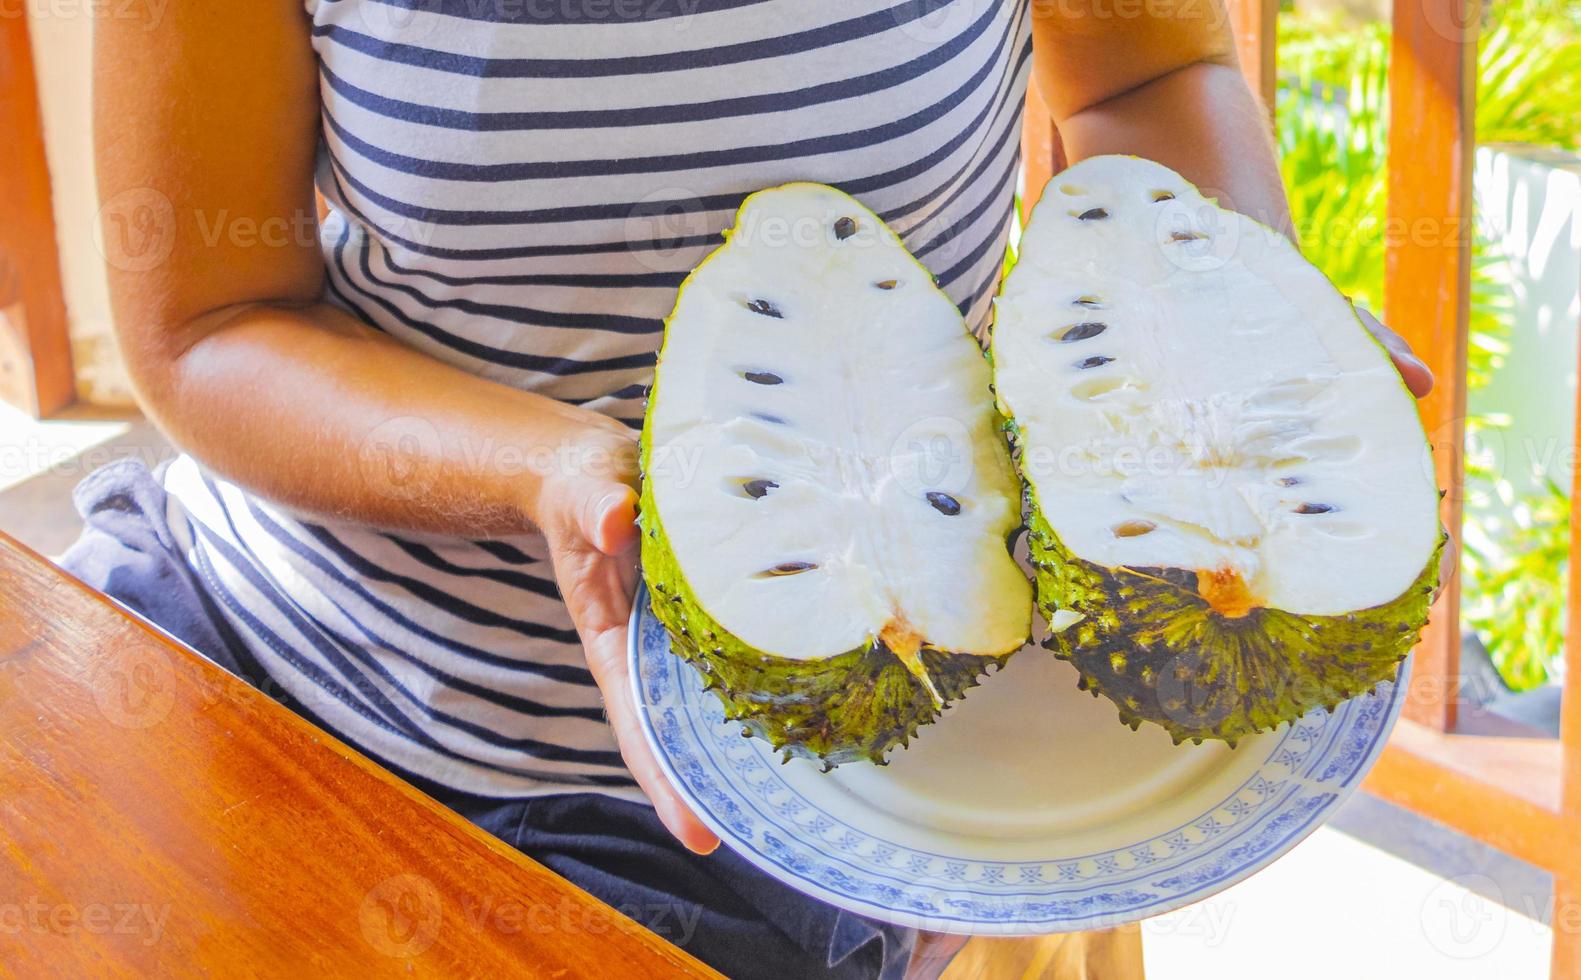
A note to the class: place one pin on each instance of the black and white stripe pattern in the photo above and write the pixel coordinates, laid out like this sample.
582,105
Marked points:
517,188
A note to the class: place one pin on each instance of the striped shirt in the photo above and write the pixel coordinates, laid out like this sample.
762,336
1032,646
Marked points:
517,188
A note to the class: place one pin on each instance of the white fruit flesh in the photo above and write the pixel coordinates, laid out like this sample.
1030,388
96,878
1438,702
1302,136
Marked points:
1231,413
881,399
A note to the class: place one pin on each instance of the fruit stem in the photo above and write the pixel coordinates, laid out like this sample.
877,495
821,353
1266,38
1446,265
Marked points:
905,643
1226,592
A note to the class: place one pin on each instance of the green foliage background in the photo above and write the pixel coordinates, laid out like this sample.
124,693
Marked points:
1334,165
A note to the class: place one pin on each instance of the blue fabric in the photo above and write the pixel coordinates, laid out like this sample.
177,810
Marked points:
719,908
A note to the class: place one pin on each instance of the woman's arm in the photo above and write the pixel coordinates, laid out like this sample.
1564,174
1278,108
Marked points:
228,342
1159,79
235,355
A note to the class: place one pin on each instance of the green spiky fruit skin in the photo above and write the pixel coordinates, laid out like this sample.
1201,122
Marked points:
853,706
1153,646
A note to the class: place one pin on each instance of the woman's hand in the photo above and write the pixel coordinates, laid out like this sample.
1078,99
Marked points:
589,519
1416,374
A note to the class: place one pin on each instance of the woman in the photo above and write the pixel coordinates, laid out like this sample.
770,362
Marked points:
408,427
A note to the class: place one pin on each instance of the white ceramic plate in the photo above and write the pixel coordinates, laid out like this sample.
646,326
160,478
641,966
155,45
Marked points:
1028,809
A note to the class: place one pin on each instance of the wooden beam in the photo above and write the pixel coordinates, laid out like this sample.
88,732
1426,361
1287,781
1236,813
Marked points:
1567,881
1254,23
1431,77
35,351
1566,924
1517,794
1522,796
1491,789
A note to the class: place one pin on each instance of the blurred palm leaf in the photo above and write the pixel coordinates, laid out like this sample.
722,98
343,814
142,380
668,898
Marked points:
1516,570
1333,130
1529,73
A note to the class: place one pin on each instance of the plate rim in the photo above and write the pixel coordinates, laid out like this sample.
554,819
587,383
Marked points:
1341,790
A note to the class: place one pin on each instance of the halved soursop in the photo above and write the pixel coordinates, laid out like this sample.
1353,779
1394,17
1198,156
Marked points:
827,491
1232,510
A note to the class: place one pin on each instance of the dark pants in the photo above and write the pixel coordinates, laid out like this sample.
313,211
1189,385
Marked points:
719,908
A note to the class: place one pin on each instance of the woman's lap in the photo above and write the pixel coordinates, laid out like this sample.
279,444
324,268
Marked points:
719,907
126,550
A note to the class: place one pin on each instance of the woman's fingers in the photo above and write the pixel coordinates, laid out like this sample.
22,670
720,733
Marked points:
597,589
1418,377
606,655
612,528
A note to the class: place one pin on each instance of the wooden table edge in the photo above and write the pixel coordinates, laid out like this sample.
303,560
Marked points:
13,551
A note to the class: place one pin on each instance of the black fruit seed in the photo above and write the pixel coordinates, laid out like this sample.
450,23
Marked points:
791,568
1082,331
757,488
763,307
844,228
944,503
763,378
1097,360
1288,481
1093,214
1316,509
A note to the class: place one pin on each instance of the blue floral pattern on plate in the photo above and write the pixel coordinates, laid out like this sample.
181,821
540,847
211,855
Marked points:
737,787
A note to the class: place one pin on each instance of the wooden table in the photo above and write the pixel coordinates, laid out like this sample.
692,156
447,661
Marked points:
159,816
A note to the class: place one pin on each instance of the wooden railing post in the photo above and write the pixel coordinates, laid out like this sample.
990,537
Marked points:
1432,71
35,353
1254,23
1566,917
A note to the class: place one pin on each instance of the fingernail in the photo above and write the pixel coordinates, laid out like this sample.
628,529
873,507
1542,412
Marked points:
685,828
600,531
701,852
610,501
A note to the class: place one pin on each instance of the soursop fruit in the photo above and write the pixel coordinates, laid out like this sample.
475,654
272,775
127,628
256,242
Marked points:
827,491
1232,511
